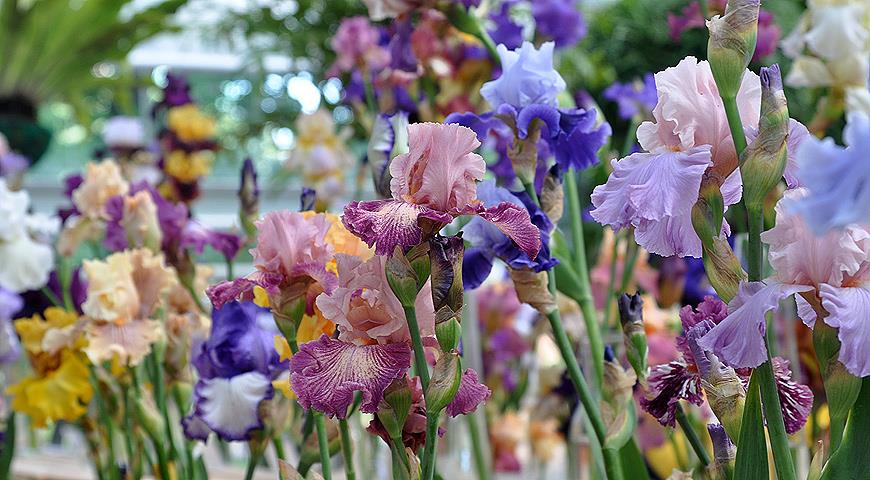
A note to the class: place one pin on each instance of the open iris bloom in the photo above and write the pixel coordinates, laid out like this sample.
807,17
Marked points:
431,184
236,367
831,272
524,98
649,190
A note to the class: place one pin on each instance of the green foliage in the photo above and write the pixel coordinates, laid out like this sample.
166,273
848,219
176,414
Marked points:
50,47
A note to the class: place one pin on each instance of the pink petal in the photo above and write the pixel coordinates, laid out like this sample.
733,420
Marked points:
739,339
471,393
849,311
515,222
286,240
648,186
325,373
439,171
387,223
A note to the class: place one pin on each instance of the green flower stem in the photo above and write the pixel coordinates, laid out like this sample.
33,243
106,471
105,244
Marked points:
692,437
401,470
631,252
630,136
133,462
481,463
106,420
52,297
230,275
612,465
254,459
611,282
420,364
593,329
429,452
65,285
347,449
278,443
770,398
323,443
735,124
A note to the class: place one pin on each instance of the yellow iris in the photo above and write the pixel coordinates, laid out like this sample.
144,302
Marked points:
60,387
190,124
188,167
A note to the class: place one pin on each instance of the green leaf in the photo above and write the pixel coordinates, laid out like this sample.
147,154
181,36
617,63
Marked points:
850,461
752,445
633,466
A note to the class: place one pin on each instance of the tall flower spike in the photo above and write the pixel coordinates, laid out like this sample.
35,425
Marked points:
763,163
732,43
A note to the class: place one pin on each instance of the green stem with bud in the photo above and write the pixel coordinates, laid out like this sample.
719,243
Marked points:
481,465
770,397
429,452
593,329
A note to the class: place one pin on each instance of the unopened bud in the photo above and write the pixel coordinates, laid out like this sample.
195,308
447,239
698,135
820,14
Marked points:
307,199
763,162
708,211
732,44
445,260
724,270
394,409
249,198
617,405
448,334
446,377
402,278
633,334
724,451
724,390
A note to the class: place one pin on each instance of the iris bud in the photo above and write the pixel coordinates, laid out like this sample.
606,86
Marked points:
763,162
446,377
732,44
633,334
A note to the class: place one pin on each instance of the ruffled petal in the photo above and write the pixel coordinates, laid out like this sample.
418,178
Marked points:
796,399
471,393
739,339
230,406
849,311
647,186
668,384
131,341
515,222
325,373
385,224
243,288
669,236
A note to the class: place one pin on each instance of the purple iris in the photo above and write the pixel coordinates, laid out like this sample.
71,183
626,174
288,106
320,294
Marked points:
172,219
559,20
488,242
505,31
633,98
236,367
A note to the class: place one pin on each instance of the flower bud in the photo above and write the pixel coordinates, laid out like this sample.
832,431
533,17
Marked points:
724,390
724,451
448,334
531,288
307,199
402,278
708,211
723,269
445,260
732,44
446,377
140,222
394,409
633,334
617,406
763,162
249,198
